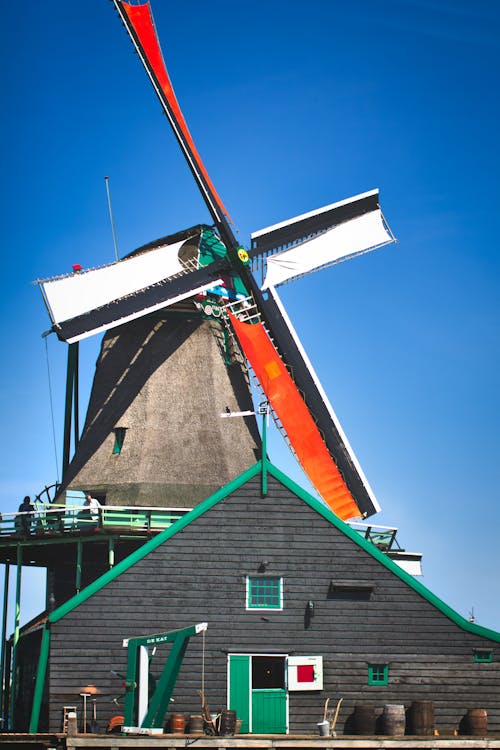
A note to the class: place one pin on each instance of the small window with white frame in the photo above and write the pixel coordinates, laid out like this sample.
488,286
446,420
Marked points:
264,592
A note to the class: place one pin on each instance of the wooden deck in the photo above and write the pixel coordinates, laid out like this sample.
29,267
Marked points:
253,742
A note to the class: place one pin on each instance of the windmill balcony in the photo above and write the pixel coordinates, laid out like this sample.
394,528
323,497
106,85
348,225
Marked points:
59,520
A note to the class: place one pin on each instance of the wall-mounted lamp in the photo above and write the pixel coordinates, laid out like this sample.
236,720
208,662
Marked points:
309,613
263,566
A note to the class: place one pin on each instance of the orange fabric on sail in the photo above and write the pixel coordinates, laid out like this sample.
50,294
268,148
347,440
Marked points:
141,18
295,417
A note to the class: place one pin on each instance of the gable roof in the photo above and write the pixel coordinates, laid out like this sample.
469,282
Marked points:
266,467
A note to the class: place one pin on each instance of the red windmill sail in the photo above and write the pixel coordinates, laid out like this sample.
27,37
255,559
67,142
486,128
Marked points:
139,22
295,417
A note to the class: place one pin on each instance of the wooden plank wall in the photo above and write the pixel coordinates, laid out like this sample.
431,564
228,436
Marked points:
199,575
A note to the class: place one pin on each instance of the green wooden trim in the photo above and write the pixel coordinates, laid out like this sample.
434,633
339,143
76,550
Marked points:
316,505
324,511
155,715
130,686
483,656
15,637
4,636
152,544
378,674
262,590
40,680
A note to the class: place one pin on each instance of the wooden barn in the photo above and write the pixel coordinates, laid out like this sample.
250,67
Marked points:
198,571
300,607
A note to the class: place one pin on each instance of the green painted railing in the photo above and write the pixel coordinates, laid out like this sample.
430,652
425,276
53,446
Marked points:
61,519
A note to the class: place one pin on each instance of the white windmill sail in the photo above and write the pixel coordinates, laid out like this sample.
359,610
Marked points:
87,302
324,237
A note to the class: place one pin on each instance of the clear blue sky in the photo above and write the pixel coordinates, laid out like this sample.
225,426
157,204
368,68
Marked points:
293,105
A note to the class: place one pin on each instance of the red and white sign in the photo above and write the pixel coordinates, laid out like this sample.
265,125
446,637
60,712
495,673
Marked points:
305,673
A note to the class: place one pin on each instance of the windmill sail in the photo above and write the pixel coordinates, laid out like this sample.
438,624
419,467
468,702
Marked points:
344,241
85,303
295,417
139,23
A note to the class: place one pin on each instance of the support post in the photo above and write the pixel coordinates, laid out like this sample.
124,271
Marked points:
4,643
264,410
155,714
15,638
40,680
76,407
68,408
78,572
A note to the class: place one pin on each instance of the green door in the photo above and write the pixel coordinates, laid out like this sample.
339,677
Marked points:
239,689
269,711
257,693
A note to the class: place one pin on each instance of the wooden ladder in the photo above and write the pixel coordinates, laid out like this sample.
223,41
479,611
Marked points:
66,711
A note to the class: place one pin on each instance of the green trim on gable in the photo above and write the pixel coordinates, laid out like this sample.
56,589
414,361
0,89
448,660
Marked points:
151,545
315,504
323,510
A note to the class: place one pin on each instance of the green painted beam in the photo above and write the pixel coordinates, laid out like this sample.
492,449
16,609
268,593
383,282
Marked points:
40,680
15,637
152,544
131,686
160,699
4,639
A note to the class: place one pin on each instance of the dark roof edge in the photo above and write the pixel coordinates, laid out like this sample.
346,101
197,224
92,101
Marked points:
323,510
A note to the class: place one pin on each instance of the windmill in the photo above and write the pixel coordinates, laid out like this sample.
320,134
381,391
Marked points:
207,266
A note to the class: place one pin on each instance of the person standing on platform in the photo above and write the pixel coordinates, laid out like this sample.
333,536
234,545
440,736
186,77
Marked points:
26,509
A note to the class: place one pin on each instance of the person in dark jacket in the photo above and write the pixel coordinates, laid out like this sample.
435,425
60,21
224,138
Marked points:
24,520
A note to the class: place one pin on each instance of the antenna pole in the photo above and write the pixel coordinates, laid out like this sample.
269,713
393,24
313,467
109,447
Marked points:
106,180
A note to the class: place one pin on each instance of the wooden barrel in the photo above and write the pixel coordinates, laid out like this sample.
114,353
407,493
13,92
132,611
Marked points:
177,723
393,720
475,722
363,719
227,722
421,718
196,725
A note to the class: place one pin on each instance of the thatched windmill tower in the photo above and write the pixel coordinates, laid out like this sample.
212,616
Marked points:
153,433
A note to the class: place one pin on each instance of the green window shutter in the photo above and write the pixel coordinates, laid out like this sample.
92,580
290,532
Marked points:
119,438
378,674
483,656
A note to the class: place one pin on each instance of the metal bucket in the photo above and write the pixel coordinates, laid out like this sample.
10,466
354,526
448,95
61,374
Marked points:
324,728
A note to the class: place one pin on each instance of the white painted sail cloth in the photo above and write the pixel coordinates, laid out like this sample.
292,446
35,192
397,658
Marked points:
83,292
365,232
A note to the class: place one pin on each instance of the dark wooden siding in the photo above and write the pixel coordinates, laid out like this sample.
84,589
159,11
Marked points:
199,575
